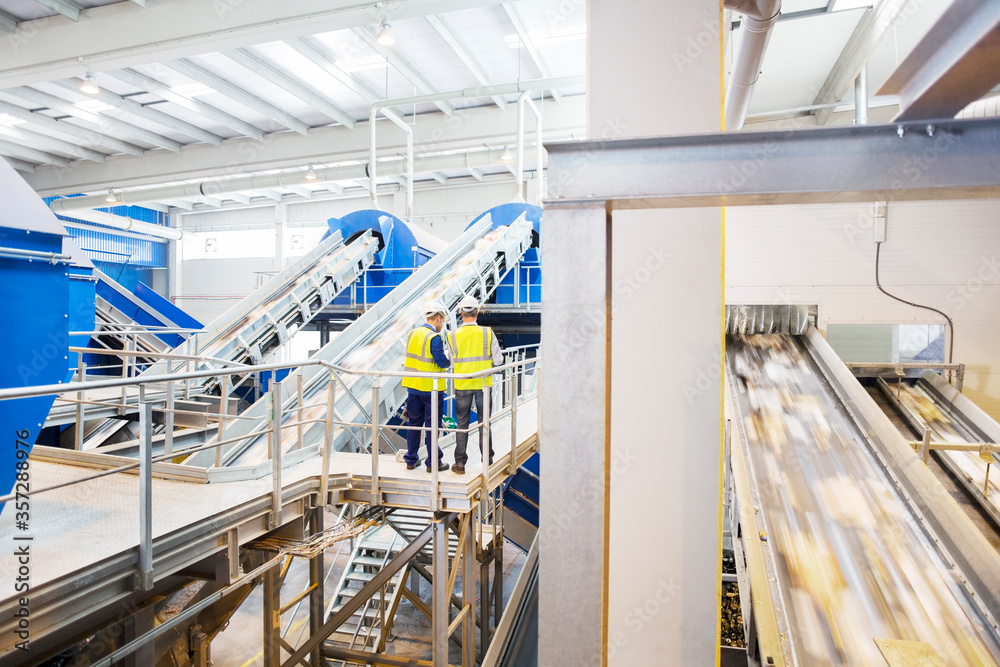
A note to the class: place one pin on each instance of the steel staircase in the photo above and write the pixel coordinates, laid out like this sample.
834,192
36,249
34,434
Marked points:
368,628
520,502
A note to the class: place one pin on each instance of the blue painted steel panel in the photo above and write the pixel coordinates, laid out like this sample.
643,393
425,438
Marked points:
82,293
33,340
163,306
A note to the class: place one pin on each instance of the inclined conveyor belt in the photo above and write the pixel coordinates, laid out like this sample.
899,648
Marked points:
932,403
850,562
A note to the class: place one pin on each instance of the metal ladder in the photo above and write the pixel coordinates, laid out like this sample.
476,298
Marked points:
368,628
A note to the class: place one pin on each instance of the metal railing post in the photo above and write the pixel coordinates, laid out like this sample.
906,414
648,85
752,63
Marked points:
168,436
223,412
145,496
513,423
331,401
275,454
484,426
434,446
376,494
81,372
298,404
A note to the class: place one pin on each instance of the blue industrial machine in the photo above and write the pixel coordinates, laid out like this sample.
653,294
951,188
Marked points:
36,273
402,249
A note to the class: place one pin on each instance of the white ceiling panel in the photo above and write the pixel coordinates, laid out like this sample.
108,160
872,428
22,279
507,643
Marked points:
788,79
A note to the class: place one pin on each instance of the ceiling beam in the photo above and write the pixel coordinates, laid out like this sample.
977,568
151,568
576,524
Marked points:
25,153
475,173
323,145
99,122
119,36
210,201
20,165
453,41
8,22
334,188
234,92
150,85
50,124
529,45
178,203
153,206
67,8
270,194
954,65
439,177
871,29
319,57
146,112
403,67
50,144
301,191
263,69
237,197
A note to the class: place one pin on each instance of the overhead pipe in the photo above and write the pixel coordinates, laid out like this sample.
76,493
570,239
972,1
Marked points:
465,93
525,98
988,107
116,221
759,17
861,97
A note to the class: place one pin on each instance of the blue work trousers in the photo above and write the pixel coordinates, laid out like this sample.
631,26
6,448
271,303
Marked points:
418,411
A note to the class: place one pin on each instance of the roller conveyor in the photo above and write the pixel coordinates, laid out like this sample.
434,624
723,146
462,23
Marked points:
475,263
952,419
845,542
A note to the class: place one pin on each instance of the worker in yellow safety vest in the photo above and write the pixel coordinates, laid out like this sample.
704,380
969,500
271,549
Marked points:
425,353
474,348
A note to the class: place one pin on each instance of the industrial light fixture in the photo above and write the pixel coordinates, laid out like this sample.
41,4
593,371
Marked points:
89,84
385,37
506,156
311,175
111,198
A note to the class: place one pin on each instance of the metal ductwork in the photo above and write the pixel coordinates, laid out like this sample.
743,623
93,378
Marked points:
479,159
65,207
759,17
988,107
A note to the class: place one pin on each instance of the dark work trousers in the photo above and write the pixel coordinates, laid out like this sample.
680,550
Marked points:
463,408
418,410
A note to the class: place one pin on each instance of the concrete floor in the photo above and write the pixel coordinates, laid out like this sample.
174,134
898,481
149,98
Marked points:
241,643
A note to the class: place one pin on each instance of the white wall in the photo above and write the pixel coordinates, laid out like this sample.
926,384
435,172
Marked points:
940,254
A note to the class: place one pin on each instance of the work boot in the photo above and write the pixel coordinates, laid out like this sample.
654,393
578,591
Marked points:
441,467
458,470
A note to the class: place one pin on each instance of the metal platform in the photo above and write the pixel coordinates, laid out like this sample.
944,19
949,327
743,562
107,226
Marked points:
84,538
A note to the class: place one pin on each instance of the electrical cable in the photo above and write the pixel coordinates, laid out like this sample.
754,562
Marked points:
951,325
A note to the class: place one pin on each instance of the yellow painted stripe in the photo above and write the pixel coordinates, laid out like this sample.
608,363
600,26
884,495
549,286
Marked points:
722,360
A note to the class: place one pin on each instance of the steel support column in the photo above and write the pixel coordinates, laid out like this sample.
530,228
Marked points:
440,593
316,579
469,596
272,617
575,339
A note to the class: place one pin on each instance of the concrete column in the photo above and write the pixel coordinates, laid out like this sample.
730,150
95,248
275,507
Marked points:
630,509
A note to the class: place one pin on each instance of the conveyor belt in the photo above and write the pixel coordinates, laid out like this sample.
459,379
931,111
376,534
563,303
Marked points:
932,403
849,559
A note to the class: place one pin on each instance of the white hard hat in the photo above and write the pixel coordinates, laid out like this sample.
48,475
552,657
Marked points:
434,308
468,304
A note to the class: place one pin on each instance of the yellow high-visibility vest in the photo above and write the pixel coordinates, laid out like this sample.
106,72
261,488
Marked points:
419,358
472,345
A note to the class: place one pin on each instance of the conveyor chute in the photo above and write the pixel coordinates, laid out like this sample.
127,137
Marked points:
847,538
